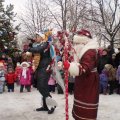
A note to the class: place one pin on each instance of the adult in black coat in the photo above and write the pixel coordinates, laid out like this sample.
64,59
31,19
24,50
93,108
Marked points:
103,60
43,74
117,58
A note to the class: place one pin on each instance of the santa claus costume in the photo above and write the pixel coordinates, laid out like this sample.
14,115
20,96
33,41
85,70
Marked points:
86,89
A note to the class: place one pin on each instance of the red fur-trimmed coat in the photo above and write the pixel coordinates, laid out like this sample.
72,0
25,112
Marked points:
86,89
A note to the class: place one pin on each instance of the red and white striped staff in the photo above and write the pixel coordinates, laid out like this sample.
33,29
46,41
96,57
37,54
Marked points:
66,79
63,38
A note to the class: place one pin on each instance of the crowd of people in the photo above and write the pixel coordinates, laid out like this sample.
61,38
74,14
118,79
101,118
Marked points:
12,71
109,71
33,68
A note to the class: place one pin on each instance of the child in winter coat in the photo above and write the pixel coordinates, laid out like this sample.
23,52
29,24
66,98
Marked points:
25,77
10,78
17,72
103,82
118,79
2,77
111,77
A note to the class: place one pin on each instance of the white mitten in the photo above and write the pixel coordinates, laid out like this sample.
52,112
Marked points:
74,69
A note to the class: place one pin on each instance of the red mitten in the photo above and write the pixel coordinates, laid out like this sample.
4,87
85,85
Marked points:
66,64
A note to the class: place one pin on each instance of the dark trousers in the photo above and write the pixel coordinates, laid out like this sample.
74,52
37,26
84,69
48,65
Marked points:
10,87
28,87
70,87
34,79
103,87
44,103
59,89
112,86
51,88
42,82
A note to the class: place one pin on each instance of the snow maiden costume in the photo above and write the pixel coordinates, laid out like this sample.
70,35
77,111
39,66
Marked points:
86,89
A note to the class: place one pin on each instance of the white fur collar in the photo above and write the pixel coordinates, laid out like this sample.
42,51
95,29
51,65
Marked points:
80,39
93,44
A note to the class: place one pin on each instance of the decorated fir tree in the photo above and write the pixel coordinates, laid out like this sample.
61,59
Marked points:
7,30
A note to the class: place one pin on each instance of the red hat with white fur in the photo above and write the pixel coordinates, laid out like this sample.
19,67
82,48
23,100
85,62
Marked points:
82,36
84,33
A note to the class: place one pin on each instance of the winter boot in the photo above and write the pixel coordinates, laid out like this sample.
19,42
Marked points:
44,107
51,110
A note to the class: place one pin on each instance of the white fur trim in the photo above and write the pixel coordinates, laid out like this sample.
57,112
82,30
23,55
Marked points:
92,44
80,39
25,63
74,69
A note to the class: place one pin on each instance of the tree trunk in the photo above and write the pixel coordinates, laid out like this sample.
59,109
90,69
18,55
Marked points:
112,45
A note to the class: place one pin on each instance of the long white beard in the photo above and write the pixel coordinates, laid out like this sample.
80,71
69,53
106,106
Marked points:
77,48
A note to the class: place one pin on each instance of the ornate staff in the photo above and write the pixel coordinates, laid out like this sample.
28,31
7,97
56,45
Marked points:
63,39
66,82
66,79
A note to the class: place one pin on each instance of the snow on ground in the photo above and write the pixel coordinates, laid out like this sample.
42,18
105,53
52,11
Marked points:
21,106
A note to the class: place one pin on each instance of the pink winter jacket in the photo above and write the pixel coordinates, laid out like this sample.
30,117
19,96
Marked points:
27,80
51,81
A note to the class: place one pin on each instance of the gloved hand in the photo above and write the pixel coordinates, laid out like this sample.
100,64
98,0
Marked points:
66,64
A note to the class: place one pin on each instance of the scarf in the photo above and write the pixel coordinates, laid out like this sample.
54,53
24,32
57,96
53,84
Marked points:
24,72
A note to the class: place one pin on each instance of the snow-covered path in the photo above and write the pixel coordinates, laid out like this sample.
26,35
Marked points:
21,106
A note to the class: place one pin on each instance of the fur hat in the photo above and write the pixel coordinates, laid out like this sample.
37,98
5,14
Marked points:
82,36
18,64
27,64
84,32
108,66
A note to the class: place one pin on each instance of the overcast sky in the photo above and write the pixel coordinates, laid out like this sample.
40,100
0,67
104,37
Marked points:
18,7
18,4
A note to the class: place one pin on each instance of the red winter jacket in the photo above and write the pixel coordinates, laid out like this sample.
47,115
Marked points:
10,78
